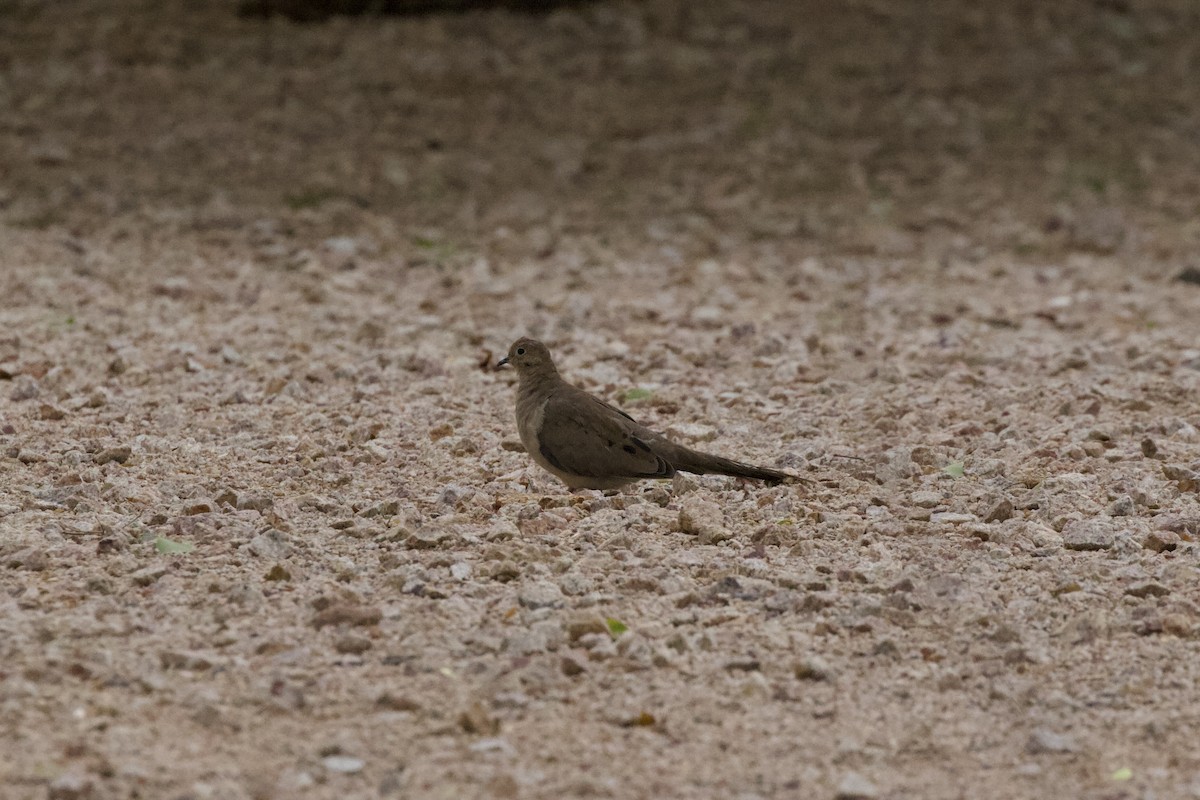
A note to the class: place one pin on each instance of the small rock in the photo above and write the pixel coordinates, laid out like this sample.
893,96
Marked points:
1088,534
257,503
703,519
353,645
33,559
540,594
50,412
185,659
347,614
271,545
1044,741
387,508
347,765
1149,448
854,786
1189,275
392,702
1161,541
583,623
695,432
898,465
475,719
433,536
278,573
1187,479
951,518
572,664
1122,507
118,454
814,668
1000,511
25,388
926,499
1148,589
71,786
575,584
148,575
491,744
460,570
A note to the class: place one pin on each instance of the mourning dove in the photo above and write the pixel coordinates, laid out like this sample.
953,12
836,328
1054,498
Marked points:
588,444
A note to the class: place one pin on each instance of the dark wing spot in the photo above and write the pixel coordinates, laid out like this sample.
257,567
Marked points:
642,445
546,454
611,443
630,449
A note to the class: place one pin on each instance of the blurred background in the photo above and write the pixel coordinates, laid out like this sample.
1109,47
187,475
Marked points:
505,127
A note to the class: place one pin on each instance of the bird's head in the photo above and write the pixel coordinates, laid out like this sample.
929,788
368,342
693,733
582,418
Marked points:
528,357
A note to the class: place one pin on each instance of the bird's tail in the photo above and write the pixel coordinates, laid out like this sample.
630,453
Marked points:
686,460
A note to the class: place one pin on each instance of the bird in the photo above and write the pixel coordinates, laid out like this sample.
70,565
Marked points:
588,444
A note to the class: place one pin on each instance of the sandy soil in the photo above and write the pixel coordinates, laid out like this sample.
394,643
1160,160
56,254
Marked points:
266,530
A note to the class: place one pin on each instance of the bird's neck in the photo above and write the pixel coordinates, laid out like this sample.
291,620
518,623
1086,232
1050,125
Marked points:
538,384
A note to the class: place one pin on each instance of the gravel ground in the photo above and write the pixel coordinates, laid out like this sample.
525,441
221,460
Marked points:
266,528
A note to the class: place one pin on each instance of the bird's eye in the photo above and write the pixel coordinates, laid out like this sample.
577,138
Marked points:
520,351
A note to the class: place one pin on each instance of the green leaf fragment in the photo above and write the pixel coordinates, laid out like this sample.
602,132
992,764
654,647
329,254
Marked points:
615,626
637,394
171,547
1122,774
954,469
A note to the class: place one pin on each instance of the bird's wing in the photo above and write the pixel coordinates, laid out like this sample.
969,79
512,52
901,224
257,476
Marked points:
581,435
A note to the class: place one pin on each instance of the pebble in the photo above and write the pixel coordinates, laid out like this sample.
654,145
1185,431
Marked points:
185,659
1186,479
951,517
572,664
118,454
343,764
258,503
475,719
25,388
71,786
50,412
693,431
1088,534
386,508
1148,589
575,584
814,668
491,744
148,575
270,545
1121,507
347,614
433,536
926,499
855,786
353,645
540,594
1045,741
1161,541
1000,511
584,623
703,519
897,466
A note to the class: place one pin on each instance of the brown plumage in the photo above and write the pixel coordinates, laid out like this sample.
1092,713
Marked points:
589,444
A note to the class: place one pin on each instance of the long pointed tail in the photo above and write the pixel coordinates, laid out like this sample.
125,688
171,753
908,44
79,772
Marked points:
699,463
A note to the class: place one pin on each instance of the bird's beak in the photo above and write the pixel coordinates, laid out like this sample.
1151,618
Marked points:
502,362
